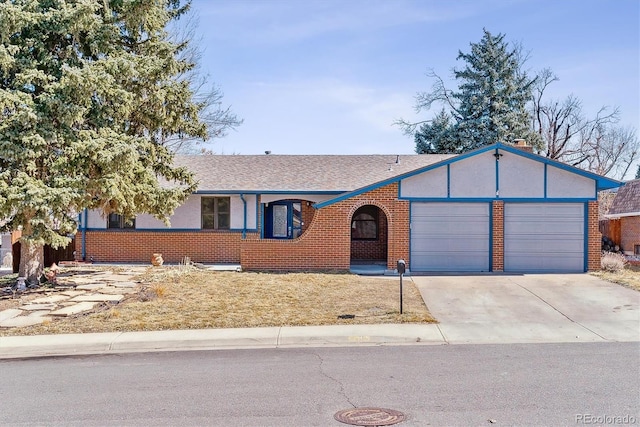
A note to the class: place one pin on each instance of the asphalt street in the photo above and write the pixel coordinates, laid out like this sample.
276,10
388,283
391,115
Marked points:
438,385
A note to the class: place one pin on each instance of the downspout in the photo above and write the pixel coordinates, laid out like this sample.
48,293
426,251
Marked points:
244,222
84,236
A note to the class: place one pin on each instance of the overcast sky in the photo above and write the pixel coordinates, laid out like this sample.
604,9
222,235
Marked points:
330,77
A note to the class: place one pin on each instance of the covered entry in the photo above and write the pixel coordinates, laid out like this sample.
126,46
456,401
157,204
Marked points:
369,235
544,237
449,236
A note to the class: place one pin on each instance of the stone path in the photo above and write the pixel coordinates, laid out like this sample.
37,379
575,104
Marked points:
78,291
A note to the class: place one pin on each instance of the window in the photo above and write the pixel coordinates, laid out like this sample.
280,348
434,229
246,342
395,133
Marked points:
215,213
364,225
118,221
636,250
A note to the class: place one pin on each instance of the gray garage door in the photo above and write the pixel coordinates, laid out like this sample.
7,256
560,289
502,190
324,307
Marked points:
544,237
449,237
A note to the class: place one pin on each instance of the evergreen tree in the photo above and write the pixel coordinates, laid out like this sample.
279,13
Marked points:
493,95
638,173
490,104
437,136
88,92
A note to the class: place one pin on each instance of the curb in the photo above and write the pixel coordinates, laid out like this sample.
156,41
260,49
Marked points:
217,339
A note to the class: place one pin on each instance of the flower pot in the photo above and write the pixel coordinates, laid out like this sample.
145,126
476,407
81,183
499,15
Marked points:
156,260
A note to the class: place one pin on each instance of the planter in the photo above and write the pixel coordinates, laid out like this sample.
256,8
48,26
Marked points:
156,260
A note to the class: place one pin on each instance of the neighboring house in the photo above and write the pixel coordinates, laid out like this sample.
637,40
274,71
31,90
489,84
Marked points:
498,208
624,218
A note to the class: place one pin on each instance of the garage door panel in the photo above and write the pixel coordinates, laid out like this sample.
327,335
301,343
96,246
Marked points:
544,237
543,264
449,237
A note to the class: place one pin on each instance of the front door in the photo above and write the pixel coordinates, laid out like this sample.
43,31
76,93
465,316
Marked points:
283,220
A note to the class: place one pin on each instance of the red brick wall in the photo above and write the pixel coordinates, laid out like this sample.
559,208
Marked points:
327,242
138,245
498,236
630,233
372,249
595,238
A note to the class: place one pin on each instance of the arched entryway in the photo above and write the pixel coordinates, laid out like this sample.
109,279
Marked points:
369,233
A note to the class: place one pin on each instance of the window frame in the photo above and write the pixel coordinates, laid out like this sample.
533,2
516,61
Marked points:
120,222
216,214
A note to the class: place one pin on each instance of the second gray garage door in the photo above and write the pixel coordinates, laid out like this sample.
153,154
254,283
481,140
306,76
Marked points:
449,237
544,237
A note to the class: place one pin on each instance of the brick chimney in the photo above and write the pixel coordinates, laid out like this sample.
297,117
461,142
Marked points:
522,144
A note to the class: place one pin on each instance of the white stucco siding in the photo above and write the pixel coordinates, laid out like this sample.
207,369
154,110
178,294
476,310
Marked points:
432,183
94,219
186,215
565,184
520,177
237,212
474,176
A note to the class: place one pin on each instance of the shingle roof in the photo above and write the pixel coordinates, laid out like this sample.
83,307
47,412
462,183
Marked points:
303,173
627,199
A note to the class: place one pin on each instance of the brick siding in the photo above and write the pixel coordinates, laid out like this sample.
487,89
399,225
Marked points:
595,238
138,245
497,262
326,245
630,233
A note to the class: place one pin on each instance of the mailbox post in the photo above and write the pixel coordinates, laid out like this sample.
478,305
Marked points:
401,267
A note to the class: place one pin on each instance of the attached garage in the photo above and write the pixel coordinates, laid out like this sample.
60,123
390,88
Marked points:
544,237
450,236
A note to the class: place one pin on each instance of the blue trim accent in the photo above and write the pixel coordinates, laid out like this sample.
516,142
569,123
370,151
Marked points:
491,236
410,231
261,220
545,181
497,154
448,180
586,236
491,199
399,189
84,235
301,192
172,230
244,212
257,213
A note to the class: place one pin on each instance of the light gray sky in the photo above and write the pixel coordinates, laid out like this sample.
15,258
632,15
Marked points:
331,76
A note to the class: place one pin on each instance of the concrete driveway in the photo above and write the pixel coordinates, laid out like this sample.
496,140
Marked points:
531,308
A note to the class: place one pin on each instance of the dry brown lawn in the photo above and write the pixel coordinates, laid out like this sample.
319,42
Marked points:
629,276
188,298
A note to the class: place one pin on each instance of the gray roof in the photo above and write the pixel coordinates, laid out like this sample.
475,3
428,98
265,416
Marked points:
627,199
299,173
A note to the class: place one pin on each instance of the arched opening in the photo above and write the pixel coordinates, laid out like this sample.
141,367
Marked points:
369,236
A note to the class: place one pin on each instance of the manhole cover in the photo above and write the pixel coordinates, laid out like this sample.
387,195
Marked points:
369,416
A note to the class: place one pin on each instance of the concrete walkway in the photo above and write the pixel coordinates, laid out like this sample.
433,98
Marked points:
471,309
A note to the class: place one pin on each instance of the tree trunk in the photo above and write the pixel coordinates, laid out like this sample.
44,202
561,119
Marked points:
31,261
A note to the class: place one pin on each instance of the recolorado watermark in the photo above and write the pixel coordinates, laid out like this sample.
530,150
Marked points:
606,419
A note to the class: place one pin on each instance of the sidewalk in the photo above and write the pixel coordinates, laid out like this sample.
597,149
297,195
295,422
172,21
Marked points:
212,339
285,337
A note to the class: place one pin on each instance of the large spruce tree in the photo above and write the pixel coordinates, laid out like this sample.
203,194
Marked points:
489,105
88,92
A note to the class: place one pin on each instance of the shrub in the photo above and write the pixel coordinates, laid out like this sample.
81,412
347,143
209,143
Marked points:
612,262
